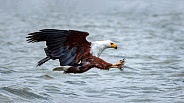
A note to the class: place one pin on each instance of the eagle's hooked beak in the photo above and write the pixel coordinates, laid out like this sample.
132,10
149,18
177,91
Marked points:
113,45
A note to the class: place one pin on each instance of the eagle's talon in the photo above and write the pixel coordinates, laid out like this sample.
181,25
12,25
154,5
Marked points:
119,64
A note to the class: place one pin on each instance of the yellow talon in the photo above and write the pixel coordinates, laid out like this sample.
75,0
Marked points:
119,64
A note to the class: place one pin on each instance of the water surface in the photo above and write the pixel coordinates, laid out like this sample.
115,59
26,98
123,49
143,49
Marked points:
149,34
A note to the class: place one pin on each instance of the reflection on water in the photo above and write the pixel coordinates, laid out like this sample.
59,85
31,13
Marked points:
149,35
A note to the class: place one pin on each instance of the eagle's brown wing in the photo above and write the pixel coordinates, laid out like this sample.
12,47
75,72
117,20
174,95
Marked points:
69,46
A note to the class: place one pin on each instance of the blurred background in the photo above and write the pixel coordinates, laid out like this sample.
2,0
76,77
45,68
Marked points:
149,34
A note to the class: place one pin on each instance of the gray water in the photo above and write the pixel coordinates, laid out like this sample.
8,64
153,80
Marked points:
149,34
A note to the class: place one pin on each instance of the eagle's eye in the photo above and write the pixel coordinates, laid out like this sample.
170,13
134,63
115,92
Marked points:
112,43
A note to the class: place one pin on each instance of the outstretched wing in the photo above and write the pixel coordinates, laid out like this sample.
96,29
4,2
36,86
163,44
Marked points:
69,46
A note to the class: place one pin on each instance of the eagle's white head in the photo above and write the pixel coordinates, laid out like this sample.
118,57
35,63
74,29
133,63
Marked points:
98,47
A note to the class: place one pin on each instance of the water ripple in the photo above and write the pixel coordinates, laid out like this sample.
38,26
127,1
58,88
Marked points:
23,93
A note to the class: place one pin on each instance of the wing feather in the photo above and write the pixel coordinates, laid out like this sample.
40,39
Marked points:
65,45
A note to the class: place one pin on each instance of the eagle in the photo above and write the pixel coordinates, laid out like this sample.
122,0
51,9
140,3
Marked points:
75,53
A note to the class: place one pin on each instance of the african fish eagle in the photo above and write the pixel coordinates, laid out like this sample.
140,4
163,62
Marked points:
75,53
